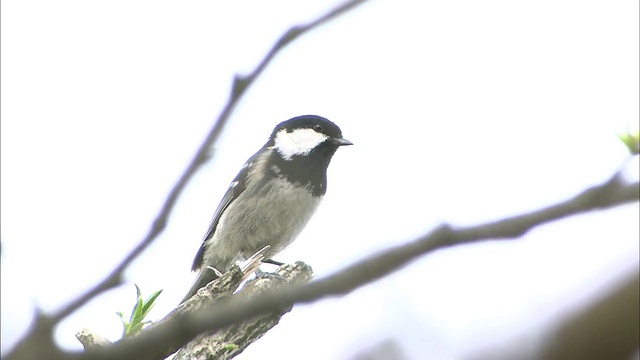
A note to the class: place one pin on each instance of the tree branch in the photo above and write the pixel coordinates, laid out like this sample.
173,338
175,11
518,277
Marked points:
184,328
232,340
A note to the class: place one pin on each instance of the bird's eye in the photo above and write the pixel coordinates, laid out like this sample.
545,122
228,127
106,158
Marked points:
318,127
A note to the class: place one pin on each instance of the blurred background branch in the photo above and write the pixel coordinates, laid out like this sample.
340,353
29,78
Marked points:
608,328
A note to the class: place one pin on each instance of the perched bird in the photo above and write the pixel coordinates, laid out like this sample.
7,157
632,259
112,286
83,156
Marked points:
272,198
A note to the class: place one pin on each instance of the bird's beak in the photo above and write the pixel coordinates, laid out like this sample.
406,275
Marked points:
341,141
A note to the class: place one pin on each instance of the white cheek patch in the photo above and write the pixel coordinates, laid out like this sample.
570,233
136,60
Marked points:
298,142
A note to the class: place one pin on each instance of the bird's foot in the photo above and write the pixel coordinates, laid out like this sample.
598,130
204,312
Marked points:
267,275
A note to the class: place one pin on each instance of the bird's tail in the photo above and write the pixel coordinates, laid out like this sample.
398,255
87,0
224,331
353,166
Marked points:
205,276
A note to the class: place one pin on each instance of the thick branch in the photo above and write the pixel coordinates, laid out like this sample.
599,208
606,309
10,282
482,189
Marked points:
232,340
89,339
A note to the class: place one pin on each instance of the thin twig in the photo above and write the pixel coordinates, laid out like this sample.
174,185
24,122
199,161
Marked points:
182,329
41,331
204,153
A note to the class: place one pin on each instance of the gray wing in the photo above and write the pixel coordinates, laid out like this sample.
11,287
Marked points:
237,187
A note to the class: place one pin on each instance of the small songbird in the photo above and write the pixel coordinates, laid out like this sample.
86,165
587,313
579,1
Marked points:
272,198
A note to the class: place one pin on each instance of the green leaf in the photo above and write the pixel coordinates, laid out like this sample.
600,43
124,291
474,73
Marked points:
631,141
140,310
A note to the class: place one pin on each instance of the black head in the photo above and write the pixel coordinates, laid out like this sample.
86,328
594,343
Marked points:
303,147
306,134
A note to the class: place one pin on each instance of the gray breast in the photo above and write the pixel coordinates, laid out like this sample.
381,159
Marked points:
271,213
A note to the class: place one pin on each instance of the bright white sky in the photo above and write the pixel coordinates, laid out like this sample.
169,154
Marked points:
461,111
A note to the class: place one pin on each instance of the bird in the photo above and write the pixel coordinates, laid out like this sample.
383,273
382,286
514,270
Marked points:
271,199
